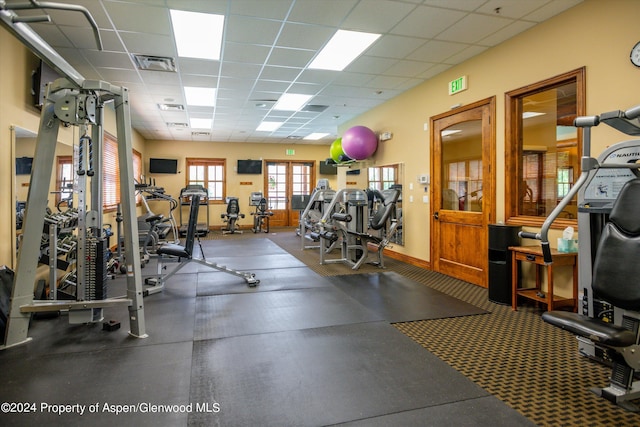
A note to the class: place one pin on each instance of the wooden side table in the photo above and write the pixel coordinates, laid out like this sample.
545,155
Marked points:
534,254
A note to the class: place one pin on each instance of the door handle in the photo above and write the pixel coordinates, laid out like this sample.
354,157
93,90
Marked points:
436,215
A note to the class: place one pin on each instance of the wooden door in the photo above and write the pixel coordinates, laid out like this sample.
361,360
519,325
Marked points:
283,180
463,187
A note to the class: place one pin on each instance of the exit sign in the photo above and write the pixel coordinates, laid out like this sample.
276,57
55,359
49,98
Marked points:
458,85
290,152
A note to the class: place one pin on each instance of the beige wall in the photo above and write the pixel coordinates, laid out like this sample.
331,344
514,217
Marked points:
595,34
239,186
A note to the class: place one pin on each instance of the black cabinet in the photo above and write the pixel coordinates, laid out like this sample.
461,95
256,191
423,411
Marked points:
500,238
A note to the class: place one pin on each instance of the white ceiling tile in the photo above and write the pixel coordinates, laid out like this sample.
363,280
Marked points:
468,5
473,27
427,22
109,59
510,9
465,54
371,65
245,53
290,57
329,13
242,29
550,9
506,33
377,16
241,71
437,51
269,9
390,46
198,66
149,44
139,18
119,76
304,36
408,68
287,74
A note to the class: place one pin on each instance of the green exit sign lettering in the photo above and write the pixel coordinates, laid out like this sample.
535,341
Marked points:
458,85
290,152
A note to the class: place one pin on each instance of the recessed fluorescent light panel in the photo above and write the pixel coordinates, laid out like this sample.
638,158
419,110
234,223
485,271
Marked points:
344,47
200,123
316,136
292,102
198,35
200,96
268,126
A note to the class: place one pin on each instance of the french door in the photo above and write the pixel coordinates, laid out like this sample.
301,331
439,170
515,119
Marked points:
283,180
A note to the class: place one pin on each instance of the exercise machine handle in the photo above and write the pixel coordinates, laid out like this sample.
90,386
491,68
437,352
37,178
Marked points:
529,235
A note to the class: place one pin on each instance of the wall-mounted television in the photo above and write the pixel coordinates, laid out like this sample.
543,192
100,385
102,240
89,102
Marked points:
250,167
23,165
163,165
328,168
42,76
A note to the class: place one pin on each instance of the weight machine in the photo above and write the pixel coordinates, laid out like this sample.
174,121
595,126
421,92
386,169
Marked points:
312,211
184,255
232,216
74,101
607,324
350,223
261,215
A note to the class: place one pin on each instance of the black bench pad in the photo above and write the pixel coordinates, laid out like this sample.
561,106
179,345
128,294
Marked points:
173,250
594,329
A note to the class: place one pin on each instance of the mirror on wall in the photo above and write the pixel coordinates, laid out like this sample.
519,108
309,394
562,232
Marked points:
60,186
384,177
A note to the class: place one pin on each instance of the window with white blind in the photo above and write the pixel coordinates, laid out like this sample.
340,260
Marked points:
111,172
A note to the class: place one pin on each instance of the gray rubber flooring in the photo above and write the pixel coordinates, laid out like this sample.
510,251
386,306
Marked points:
297,350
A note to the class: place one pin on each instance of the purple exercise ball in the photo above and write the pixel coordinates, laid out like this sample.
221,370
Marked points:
359,142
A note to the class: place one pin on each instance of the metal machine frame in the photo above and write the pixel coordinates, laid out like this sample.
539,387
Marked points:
597,189
73,100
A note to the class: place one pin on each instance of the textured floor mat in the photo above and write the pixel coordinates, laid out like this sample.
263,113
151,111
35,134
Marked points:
398,299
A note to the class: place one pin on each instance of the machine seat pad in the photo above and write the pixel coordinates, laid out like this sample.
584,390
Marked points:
173,250
596,330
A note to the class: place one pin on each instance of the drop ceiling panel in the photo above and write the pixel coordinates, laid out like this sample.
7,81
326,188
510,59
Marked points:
329,13
139,17
473,27
267,46
378,16
427,22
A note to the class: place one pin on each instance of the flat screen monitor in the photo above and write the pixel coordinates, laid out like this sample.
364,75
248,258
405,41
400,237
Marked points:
23,165
250,167
328,169
163,165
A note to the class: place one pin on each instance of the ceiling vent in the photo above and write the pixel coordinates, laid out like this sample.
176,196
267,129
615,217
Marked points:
177,125
314,108
200,133
171,107
155,63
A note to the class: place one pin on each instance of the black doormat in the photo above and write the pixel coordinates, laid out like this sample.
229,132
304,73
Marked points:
399,299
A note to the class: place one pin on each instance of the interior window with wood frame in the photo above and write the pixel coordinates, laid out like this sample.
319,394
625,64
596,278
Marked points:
210,173
111,172
543,148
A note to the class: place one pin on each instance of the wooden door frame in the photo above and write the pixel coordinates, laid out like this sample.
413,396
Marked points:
489,191
265,184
